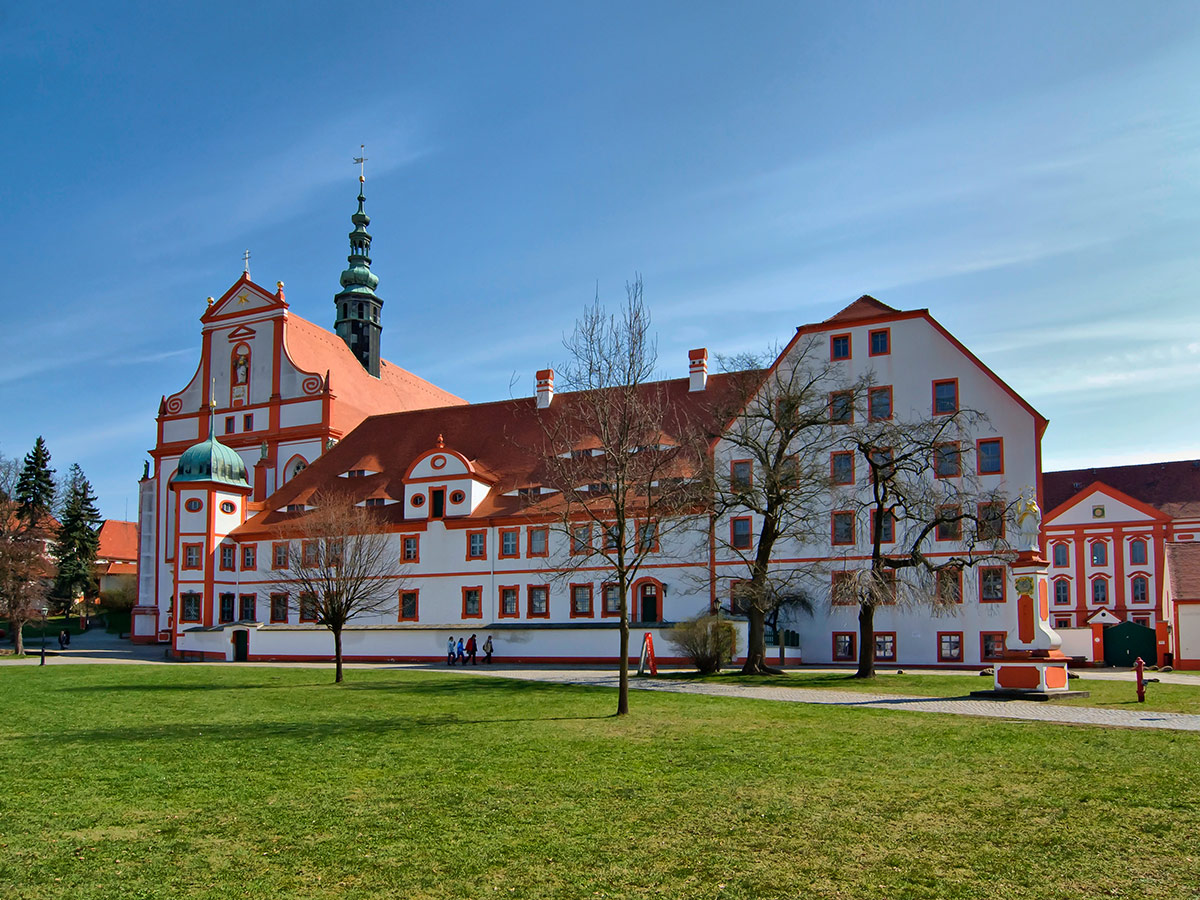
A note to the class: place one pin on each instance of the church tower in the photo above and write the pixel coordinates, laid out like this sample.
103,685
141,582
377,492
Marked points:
357,306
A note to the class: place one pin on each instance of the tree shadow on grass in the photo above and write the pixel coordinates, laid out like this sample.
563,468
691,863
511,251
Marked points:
242,732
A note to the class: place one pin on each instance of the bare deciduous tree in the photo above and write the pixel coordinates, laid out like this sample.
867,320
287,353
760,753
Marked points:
773,473
339,566
624,460
920,487
25,572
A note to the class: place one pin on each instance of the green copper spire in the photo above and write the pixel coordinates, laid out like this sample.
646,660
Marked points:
211,460
357,305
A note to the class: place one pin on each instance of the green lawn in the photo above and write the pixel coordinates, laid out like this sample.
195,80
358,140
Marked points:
1183,698
219,781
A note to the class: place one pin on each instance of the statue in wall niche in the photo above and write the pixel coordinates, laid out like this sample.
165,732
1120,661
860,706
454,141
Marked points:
264,451
241,369
1029,522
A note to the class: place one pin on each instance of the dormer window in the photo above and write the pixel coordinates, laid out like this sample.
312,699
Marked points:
376,501
295,507
356,473
529,493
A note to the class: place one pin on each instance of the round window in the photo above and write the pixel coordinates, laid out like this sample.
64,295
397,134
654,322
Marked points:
418,500
193,505
438,462
457,496
227,507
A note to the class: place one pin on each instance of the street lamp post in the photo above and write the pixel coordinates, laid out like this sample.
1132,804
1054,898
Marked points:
44,611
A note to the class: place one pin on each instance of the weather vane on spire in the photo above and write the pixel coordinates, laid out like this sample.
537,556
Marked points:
246,262
361,161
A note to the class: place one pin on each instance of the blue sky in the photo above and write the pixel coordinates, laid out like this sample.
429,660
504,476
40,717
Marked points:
1027,171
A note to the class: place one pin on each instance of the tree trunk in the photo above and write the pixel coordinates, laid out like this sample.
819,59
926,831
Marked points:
19,638
337,655
623,687
756,640
866,641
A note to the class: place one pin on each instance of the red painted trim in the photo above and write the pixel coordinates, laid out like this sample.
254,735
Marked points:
1003,583
482,532
183,552
604,613
956,456
833,469
416,594
733,537
849,420
849,354
741,484
636,597
853,654
885,539
529,613
516,533
1003,642
957,575
834,593
416,555
895,647
833,519
529,554
871,392
948,659
1099,487
871,342
979,455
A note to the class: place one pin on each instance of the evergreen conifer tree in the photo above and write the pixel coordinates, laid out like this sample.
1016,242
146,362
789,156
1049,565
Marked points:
78,539
35,485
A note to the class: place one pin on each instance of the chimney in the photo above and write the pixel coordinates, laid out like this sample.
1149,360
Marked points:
698,369
545,388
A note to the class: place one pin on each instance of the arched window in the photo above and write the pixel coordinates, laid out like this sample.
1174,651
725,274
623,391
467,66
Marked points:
1061,556
1099,553
1100,591
1137,552
1139,589
294,467
1062,592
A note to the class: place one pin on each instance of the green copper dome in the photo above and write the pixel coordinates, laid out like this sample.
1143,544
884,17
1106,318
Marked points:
211,460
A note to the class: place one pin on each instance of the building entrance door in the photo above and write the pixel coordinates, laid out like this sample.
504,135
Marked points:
241,646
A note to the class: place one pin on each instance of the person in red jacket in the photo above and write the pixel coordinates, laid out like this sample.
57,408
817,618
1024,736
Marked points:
471,648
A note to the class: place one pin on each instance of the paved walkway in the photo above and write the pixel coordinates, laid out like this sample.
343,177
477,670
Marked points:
96,646
960,706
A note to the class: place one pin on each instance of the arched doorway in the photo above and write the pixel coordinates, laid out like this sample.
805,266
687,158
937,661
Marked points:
648,600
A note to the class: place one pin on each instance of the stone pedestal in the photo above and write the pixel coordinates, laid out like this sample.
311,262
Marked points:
1033,660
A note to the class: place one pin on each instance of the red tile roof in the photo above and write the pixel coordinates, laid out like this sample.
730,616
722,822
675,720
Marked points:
358,393
1183,570
118,540
503,440
119,568
1172,487
865,307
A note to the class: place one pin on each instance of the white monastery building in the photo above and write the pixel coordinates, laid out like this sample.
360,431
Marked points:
460,491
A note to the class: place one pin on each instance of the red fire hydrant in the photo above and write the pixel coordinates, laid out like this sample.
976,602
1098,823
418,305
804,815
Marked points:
1141,683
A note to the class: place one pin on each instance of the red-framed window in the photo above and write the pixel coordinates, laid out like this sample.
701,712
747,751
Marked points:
248,608
989,456
889,526
647,536
1099,553
845,646
608,536
193,555
477,544
950,646
510,601
537,541
610,591
1137,552
741,533
510,543
991,644
226,604
885,646
581,601
1143,620
947,460
1063,622
841,527
249,556
945,396
1139,589
410,548
890,586
193,505
189,607
839,346
230,424
880,341
248,422
472,602
581,539
1060,554
1100,595
841,467
991,584
991,521
228,561
538,602
741,474
279,555
310,552
949,584
279,608
841,407
949,525
308,607
410,605
1062,592
881,460
841,589
879,403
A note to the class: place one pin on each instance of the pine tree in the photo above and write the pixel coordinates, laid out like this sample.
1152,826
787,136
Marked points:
35,485
78,539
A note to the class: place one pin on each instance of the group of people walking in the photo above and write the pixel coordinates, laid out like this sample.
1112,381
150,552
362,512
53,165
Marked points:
460,651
